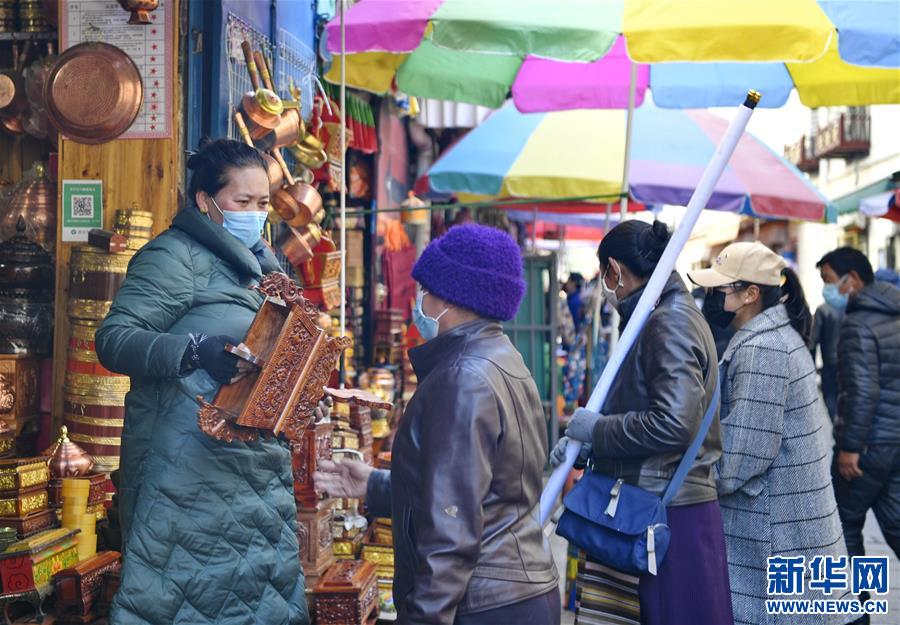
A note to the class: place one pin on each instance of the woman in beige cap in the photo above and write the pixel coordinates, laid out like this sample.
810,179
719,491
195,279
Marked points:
773,478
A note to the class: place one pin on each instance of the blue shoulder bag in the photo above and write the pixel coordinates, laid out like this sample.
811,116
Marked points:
623,526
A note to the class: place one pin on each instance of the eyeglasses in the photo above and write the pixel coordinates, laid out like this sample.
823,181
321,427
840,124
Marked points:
734,287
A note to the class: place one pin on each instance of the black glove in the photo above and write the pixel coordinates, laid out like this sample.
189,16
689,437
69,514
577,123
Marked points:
211,356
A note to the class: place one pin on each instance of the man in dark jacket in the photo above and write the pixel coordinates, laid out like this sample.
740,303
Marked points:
867,431
467,463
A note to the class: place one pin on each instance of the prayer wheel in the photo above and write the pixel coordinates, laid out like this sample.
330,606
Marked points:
95,278
93,399
136,226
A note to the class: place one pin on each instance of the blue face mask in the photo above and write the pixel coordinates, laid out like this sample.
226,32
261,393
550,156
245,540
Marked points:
246,226
428,326
833,296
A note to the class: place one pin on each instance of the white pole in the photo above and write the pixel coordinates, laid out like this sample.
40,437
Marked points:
343,172
629,123
652,290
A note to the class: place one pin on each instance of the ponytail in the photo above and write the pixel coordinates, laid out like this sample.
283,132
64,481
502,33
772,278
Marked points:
790,293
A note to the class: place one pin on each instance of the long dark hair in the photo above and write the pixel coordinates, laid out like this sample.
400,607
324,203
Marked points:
212,162
636,244
790,293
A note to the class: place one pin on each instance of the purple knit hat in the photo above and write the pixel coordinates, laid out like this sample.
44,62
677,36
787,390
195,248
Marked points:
475,267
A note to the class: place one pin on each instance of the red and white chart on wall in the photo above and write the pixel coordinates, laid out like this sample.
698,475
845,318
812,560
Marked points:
149,46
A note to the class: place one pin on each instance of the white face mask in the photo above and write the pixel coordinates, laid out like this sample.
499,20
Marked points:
610,294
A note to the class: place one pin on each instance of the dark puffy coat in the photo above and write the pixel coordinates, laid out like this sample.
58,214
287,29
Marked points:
869,370
209,528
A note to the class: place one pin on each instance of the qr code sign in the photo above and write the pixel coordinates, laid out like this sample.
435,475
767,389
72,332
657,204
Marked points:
83,206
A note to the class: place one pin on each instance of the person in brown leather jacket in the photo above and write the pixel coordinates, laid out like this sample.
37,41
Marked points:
467,462
651,415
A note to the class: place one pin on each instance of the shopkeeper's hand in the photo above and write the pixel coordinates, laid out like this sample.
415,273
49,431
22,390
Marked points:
581,425
559,453
347,478
219,364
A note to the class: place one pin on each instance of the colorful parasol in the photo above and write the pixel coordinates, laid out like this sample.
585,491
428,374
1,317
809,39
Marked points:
476,51
580,153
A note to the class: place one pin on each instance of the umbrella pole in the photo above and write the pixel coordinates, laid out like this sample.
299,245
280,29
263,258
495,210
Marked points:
652,291
343,173
629,121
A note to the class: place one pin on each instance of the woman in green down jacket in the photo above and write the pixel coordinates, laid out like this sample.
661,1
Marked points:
209,528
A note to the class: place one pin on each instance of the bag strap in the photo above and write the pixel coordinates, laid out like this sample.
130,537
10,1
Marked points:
687,461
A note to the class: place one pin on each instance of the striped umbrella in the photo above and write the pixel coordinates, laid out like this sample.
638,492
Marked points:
548,52
579,154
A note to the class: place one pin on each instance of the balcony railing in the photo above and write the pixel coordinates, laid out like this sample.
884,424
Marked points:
802,154
846,136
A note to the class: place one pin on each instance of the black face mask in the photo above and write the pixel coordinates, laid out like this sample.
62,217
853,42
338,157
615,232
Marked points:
714,309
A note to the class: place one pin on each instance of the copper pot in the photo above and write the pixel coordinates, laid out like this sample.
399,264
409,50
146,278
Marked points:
261,107
273,167
13,125
35,202
308,157
262,112
297,245
297,204
23,263
288,131
67,459
140,10
276,176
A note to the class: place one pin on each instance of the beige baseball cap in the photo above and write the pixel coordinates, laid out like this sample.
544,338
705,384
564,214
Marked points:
749,262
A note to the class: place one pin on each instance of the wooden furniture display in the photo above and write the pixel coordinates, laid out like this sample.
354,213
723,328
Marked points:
19,390
313,446
315,538
298,358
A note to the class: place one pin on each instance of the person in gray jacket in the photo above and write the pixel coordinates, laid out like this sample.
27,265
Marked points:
773,477
467,461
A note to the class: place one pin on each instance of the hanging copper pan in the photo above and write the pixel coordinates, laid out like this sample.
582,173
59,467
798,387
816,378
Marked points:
273,168
12,88
93,93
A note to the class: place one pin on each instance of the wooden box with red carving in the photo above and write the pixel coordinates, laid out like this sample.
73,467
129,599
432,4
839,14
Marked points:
347,594
79,587
294,359
314,445
315,537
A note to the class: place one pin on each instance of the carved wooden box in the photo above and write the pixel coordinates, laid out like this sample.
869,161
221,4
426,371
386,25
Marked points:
20,474
20,503
97,493
79,587
347,594
314,536
31,563
296,358
314,445
30,524
19,388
